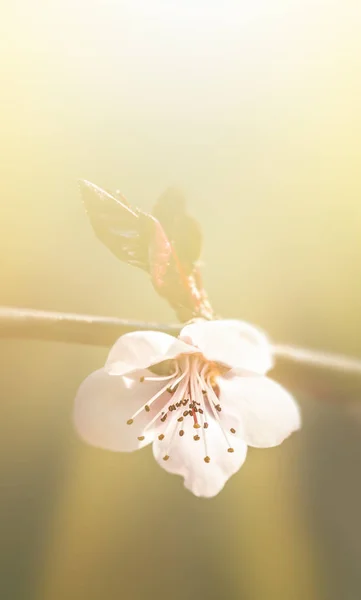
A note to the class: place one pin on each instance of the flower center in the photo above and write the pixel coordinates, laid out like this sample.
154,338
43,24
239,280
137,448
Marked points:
190,392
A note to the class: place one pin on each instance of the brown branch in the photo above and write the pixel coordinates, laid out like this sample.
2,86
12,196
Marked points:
30,324
314,373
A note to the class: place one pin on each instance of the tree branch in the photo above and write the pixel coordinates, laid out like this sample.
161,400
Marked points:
28,323
317,358
321,375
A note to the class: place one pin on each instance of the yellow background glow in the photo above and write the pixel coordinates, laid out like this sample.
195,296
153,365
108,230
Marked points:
253,109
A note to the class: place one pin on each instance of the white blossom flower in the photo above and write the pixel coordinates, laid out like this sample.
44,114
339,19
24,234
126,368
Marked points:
201,399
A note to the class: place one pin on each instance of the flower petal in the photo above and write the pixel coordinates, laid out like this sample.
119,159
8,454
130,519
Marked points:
186,457
236,344
266,411
142,349
104,404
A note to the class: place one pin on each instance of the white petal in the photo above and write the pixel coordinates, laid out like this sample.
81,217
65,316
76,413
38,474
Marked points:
142,349
236,344
186,457
104,404
266,411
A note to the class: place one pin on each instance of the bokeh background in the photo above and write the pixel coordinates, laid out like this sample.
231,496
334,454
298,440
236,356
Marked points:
253,110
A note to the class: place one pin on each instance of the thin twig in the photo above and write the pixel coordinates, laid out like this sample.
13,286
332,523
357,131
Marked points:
316,358
31,324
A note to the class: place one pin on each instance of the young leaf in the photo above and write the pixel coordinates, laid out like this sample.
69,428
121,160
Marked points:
121,228
140,239
183,231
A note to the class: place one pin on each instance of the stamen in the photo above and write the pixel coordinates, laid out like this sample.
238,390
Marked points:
178,380
181,432
176,425
191,385
202,412
179,393
210,391
212,399
150,402
160,377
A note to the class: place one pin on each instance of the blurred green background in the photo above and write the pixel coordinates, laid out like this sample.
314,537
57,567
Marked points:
253,110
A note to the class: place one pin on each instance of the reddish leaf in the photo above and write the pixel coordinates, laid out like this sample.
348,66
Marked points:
140,239
183,231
